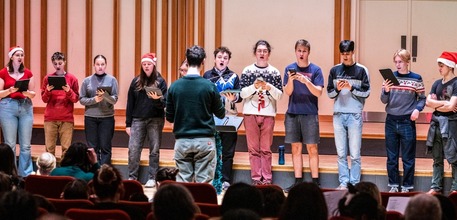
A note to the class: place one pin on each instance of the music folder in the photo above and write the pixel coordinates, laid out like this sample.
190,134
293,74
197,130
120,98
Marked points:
228,123
22,85
57,82
388,74
105,88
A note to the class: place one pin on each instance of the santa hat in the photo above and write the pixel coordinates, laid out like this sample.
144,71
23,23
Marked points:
13,50
151,57
448,58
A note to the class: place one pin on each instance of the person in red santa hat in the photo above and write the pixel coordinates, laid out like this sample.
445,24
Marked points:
441,138
145,116
16,107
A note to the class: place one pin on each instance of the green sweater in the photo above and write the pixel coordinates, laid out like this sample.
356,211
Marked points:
191,103
76,172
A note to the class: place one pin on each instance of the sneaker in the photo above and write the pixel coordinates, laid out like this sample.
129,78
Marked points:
225,185
434,191
266,182
341,187
404,190
256,182
393,189
150,184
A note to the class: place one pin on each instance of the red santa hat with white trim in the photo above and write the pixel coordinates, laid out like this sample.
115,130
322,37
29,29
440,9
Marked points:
448,58
151,57
14,50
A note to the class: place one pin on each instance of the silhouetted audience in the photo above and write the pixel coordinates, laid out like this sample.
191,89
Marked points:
138,197
6,184
166,173
423,207
174,202
18,205
8,165
76,189
373,190
304,201
273,199
359,205
242,196
447,207
240,214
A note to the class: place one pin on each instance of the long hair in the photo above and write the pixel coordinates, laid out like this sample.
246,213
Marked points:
11,68
7,163
76,155
143,80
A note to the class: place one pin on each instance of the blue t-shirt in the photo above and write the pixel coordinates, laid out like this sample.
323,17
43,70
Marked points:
302,101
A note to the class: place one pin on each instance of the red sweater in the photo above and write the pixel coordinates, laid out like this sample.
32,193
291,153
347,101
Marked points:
10,81
60,104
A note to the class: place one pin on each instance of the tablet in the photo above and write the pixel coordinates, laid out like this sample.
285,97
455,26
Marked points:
388,74
231,91
57,82
22,85
105,88
153,89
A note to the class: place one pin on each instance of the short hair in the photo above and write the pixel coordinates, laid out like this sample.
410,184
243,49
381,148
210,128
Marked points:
195,55
166,173
262,42
76,189
304,43
346,46
223,50
403,54
423,206
306,200
46,163
58,56
167,206
244,196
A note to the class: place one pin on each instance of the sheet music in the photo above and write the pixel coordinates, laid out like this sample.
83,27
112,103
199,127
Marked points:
228,123
397,203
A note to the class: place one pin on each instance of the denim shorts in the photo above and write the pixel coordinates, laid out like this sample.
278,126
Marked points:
302,128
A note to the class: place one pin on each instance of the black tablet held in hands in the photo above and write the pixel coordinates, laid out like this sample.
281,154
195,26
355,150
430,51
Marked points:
57,82
388,74
107,89
156,90
22,85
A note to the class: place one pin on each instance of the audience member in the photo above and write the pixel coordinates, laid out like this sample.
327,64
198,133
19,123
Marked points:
45,164
76,189
423,207
448,211
6,184
80,162
108,187
166,173
167,206
273,199
44,203
52,216
359,206
138,197
304,201
242,196
240,214
8,166
370,188
18,205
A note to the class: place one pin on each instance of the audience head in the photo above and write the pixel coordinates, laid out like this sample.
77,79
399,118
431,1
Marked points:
18,205
273,198
45,164
242,196
166,173
138,197
43,202
359,206
107,183
76,189
195,56
167,206
423,206
7,163
6,183
370,188
305,200
447,207
77,155
240,214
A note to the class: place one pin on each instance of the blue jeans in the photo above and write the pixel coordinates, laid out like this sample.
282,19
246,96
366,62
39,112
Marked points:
400,135
99,133
16,118
348,135
196,159
152,128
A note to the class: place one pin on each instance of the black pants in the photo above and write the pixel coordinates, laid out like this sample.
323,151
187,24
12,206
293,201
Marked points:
228,141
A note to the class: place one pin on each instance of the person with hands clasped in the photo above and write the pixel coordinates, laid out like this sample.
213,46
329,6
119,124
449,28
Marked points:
16,108
145,116
58,115
261,88
303,82
99,93
441,138
349,85
403,104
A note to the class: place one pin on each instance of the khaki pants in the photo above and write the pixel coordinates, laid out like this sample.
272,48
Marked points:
64,130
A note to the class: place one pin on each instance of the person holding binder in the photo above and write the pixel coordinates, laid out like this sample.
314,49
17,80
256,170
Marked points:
402,110
261,88
99,93
145,116
60,91
225,79
303,83
16,109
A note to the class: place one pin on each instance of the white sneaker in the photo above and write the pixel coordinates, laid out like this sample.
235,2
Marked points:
225,185
150,184
404,190
341,187
393,189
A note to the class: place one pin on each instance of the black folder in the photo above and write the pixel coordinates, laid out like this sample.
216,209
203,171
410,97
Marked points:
228,123
57,82
388,74
105,88
22,85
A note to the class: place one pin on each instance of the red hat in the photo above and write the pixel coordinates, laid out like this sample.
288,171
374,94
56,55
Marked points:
448,58
13,50
151,57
